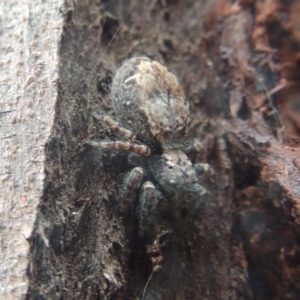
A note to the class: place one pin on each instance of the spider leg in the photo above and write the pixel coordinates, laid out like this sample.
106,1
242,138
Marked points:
122,146
205,170
148,200
130,186
112,124
195,146
202,198
196,196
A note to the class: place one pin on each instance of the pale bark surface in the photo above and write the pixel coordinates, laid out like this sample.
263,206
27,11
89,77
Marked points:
61,235
29,42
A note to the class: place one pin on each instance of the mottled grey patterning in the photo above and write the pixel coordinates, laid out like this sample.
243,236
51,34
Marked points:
153,121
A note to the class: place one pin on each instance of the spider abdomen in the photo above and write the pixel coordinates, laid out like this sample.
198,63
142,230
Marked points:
149,101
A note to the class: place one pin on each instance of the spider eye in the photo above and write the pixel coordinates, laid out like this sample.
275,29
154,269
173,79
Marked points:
170,167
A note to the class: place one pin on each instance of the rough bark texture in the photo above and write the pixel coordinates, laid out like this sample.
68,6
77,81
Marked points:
29,40
239,66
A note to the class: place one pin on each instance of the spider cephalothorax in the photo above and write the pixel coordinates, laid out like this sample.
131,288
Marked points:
154,122
169,175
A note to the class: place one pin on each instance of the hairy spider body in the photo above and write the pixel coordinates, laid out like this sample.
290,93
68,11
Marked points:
154,120
170,177
149,101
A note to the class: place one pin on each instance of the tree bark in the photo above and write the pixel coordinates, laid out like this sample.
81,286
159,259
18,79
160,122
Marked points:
62,236
29,35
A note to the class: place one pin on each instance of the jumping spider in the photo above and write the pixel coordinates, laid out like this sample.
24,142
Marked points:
154,122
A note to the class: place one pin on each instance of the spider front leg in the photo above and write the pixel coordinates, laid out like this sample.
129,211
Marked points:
121,146
148,200
112,124
130,187
205,170
195,146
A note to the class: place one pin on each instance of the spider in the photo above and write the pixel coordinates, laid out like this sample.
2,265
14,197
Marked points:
154,121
